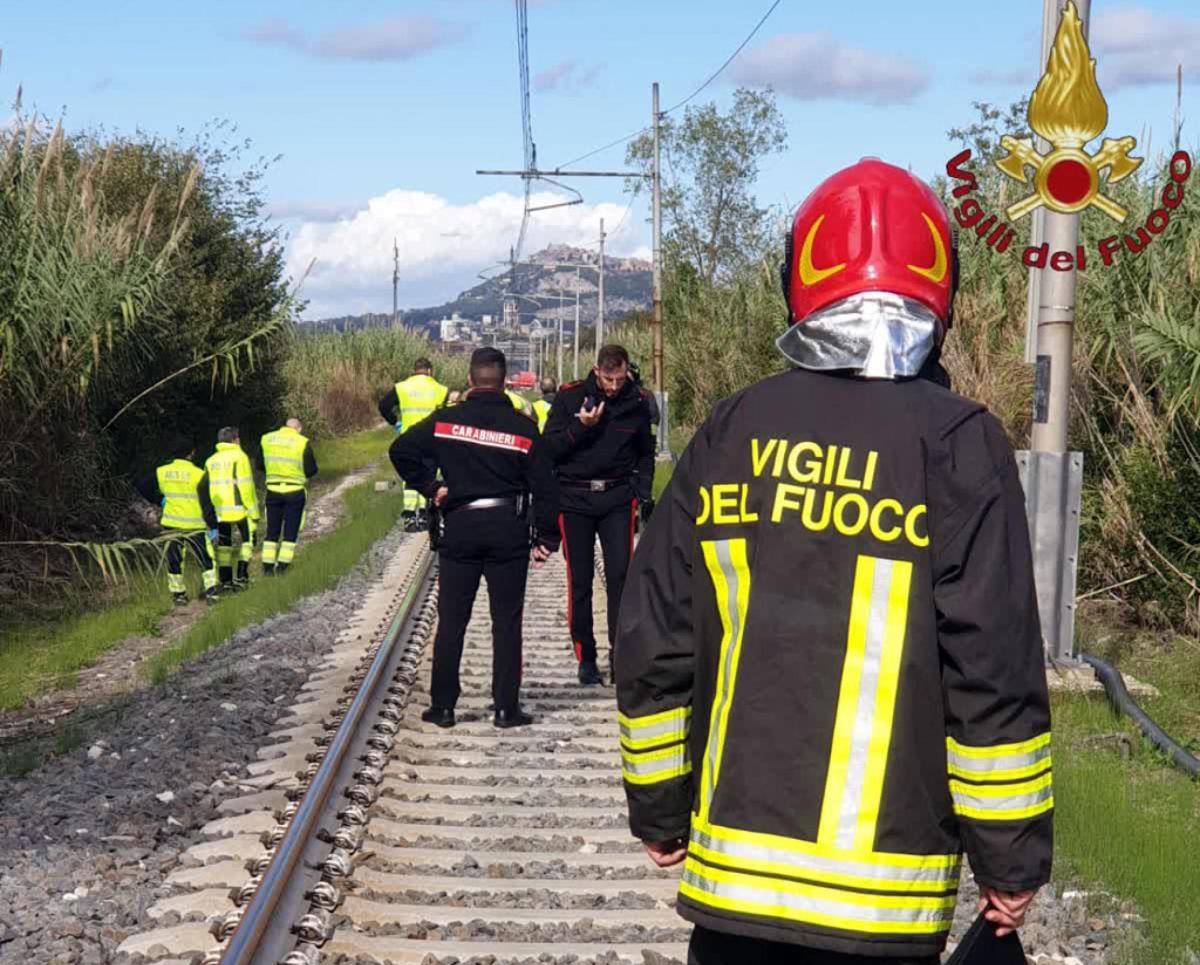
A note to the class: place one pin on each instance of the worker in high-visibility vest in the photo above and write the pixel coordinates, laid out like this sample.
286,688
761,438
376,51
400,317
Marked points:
407,404
289,462
541,408
181,488
519,403
231,482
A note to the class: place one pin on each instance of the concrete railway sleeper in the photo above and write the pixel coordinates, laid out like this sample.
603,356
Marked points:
366,834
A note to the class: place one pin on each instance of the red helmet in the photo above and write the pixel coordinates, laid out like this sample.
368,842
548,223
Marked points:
870,227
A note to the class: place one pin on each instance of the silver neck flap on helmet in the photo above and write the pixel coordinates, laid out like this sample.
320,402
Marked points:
875,335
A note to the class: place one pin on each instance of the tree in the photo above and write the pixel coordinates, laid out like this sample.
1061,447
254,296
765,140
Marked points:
711,161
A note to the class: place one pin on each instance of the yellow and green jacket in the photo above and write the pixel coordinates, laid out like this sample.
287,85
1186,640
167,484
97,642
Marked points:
829,667
231,483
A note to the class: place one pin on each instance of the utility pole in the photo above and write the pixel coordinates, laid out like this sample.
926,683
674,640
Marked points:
561,310
575,377
1056,308
600,307
1051,476
395,283
656,185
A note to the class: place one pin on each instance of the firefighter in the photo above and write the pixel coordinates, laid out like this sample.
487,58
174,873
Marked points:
492,463
289,463
541,408
407,404
182,489
598,434
830,677
231,483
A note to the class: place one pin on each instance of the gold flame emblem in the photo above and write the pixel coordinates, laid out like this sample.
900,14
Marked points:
1068,110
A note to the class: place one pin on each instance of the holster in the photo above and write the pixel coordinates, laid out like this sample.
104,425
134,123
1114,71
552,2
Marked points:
436,526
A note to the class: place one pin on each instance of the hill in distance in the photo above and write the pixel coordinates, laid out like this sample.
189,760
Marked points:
628,285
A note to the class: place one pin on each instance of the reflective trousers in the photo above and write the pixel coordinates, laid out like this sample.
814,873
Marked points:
285,518
493,544
197,546
709,947
611,516
225,549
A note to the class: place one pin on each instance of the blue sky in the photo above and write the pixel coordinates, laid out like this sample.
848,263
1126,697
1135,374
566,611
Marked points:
383,111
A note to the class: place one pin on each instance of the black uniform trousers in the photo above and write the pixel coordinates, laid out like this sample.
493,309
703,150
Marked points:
710,947
493,544
585,515
197,545
285,516
225,541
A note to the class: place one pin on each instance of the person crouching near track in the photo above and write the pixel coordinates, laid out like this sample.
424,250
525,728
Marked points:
492,465
231,484
181,488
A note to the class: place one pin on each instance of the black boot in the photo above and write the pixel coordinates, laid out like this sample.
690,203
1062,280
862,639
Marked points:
589,673
439,716
268,569
242,580
225,575
512,718
211,595
179,599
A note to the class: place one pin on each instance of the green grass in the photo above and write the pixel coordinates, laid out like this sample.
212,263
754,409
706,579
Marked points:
318,565
662,476
341,455
37,657
1128,824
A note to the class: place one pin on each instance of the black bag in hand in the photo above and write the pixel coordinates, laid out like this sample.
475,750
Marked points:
980,946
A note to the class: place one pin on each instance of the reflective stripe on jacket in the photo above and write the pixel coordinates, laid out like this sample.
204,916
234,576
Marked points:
830,674
283,457
231,483
177,481
418,396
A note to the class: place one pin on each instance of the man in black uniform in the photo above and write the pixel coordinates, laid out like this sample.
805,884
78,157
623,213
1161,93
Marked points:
491,460
830,676
598,434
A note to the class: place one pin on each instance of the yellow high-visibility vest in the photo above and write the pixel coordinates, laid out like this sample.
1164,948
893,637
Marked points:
418,396
177,481
231,483
541,408
518,402
283,455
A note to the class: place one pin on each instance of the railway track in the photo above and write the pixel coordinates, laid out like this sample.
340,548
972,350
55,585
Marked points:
454,845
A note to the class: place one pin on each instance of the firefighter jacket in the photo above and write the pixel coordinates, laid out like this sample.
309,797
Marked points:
288,460
829,666
182,489
619,446
231,483
412,400
484,449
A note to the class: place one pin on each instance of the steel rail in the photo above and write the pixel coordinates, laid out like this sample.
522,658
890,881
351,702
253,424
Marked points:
264,934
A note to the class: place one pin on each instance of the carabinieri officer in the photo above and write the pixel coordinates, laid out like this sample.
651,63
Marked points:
491,460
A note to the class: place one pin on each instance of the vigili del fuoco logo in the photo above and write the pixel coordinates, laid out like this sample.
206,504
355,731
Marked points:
1068,110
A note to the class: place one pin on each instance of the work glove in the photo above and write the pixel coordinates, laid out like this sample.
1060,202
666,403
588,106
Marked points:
212,536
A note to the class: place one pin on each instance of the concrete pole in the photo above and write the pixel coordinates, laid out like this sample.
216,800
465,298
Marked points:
575,377
1056,309
656,184
560,342
600,308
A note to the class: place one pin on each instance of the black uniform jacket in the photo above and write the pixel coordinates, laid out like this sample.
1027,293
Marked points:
484,448
830,672
619,446
147,488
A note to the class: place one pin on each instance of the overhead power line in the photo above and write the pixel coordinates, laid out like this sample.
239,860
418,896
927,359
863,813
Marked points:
717,73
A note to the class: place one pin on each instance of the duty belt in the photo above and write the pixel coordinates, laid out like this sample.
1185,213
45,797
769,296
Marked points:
593,485
491,502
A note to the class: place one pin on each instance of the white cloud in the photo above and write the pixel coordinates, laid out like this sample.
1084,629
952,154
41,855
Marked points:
815,66
1135,47
1017,75
565,76
311,211
394,38
443,246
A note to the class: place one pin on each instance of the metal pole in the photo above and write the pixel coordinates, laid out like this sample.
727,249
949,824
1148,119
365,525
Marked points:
575,377
1056,311
395,280
656,184
561,309
600,308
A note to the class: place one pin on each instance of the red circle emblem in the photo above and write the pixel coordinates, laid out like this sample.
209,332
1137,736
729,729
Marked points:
1069,181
